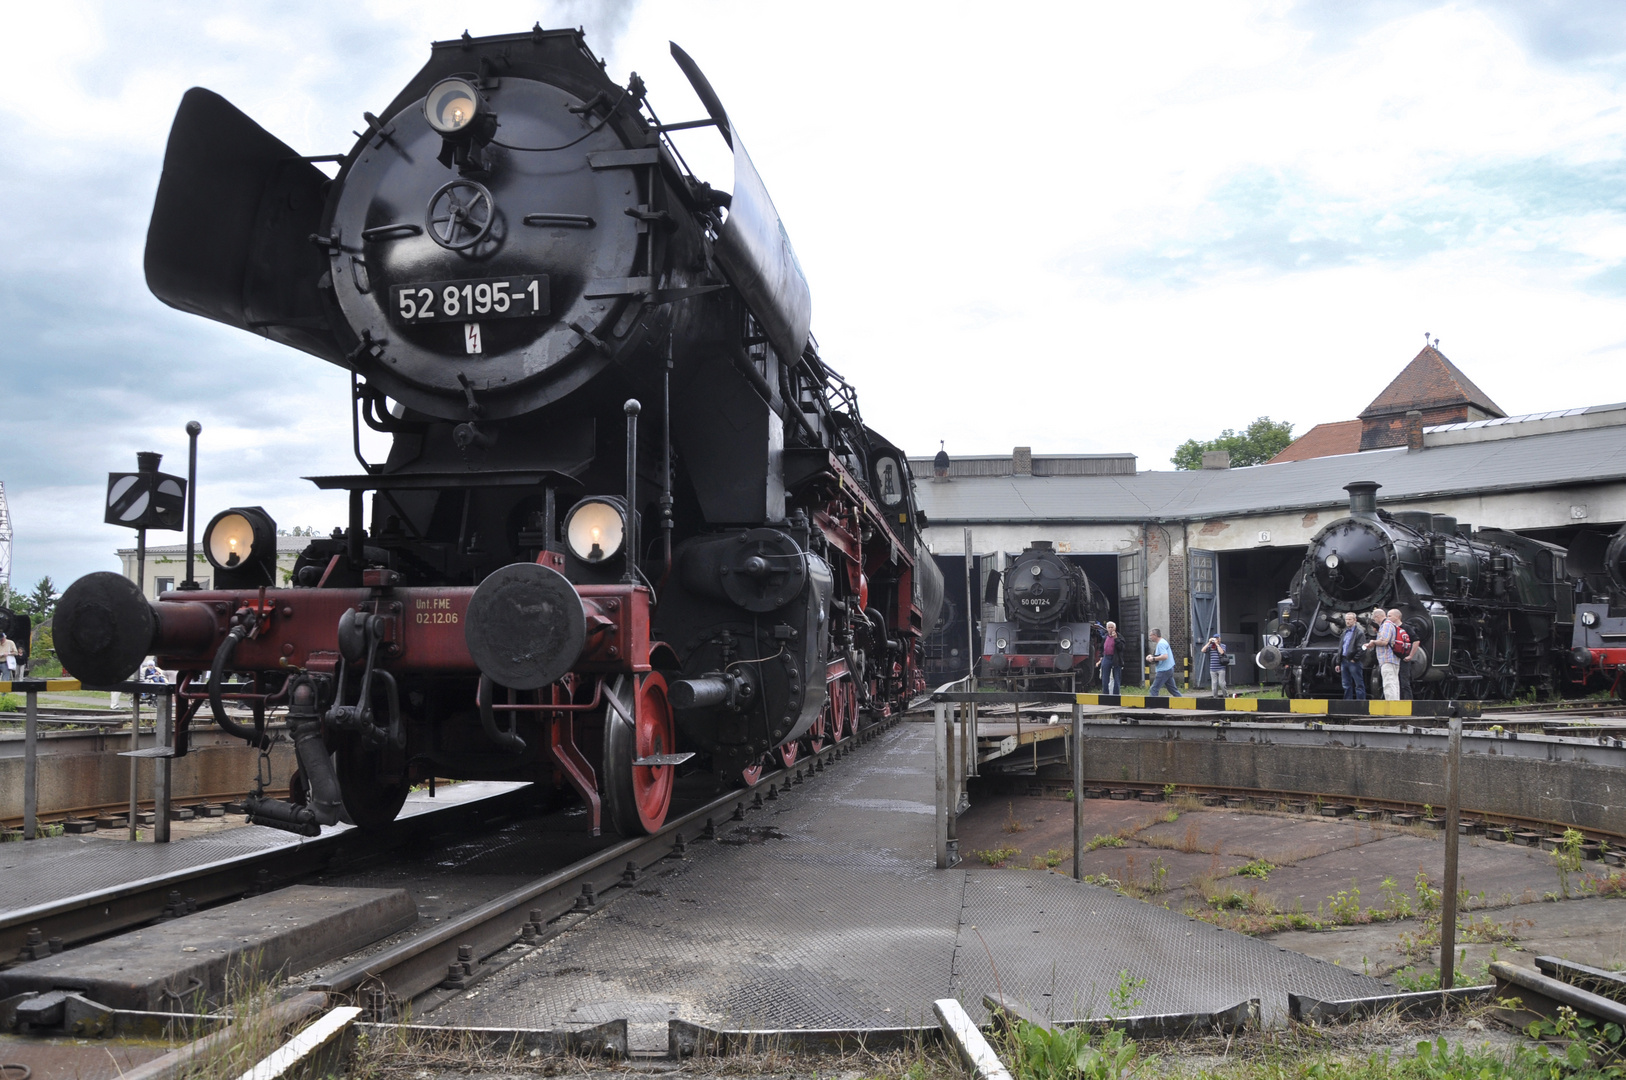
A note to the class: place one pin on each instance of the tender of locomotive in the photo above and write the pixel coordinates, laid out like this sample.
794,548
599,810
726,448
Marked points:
1053,611
521,275
1491,610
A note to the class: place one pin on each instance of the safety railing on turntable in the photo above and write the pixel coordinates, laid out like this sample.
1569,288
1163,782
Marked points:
161,754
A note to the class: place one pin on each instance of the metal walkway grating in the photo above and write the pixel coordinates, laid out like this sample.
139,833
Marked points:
823,910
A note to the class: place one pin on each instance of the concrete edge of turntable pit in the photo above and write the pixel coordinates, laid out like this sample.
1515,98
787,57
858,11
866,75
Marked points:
121,862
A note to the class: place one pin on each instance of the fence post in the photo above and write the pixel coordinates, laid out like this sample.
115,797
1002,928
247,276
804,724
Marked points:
31,736
940,731
1448,894
1078,791
164,735
135,762
952,837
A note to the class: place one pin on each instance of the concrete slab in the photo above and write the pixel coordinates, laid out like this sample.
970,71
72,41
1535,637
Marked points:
1492,874
1592,931
40,872
170,965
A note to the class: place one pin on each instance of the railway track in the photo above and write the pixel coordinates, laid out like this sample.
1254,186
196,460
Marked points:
427,969
129,904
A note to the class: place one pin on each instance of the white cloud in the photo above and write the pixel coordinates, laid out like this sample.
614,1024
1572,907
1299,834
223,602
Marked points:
1079,227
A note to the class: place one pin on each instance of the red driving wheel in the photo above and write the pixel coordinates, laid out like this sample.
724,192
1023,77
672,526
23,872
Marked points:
637,797
656,734
790,752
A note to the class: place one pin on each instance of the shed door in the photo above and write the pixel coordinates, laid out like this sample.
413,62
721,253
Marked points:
1204,569
1131,623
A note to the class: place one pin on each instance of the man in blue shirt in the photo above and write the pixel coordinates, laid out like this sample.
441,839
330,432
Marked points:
1162,661
1349,653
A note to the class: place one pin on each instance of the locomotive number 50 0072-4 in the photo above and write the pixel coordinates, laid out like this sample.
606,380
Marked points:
484,298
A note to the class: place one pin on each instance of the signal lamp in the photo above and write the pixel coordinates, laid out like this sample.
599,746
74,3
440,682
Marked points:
595,529
241,544
452,106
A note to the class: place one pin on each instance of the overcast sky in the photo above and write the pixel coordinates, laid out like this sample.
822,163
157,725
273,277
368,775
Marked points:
1080,227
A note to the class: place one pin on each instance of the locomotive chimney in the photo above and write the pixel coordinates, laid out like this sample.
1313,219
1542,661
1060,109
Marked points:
1363,498
1414,430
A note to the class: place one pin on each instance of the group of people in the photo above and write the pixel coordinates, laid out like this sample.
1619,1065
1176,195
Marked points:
1114,649
1395,652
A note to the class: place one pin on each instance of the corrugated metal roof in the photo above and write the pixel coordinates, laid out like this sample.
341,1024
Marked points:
1535,461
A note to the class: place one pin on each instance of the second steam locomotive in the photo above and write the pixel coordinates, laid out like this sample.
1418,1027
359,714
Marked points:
1054,611
1494,613
629,517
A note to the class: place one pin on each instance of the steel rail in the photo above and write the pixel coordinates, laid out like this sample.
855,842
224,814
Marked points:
102,912
457,954
121,808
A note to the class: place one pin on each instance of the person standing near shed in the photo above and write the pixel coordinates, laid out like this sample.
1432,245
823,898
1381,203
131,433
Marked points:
1349,653
1112,652
1215,648
1388,663
1162,661
8,658
1403,652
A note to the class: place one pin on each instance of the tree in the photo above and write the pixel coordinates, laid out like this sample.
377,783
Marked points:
1263,440
39,604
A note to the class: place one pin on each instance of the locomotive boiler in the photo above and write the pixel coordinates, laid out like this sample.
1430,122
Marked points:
1053,611
1491,610
1598,644
629,517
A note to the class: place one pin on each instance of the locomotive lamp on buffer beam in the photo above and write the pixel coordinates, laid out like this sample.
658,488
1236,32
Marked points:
241,544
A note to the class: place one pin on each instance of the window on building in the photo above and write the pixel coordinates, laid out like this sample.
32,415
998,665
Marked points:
165,584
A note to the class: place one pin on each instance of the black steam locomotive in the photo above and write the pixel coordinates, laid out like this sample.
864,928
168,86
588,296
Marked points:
1491,610
1053,610
1598,645
520,272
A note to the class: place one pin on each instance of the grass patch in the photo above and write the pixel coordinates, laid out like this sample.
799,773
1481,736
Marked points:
997,857
1258,868
1100,841
1011,824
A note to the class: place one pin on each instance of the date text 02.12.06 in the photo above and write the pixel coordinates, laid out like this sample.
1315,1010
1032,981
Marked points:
516,297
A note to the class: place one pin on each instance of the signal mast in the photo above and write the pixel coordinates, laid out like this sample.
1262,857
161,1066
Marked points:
5,543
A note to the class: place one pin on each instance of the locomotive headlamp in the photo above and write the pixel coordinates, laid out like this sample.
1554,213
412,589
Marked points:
1332,561
1066,644
451,106
1000,643
1589,618
1037,569
595,529
241,544
1273,640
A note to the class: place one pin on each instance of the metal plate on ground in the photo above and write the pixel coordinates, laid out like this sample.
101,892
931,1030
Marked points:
823,910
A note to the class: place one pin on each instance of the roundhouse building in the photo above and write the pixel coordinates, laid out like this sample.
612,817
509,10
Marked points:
1195,551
